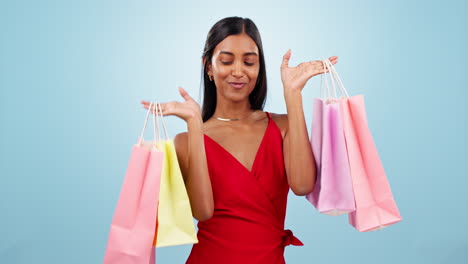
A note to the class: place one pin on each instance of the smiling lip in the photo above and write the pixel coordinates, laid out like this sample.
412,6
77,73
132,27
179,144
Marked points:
237,85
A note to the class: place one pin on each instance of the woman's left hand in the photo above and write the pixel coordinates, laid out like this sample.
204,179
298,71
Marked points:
295,78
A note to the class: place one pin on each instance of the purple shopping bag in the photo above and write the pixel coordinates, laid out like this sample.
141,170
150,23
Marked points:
133,226
333,192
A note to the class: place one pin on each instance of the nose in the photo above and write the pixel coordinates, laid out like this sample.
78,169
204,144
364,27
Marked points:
238,70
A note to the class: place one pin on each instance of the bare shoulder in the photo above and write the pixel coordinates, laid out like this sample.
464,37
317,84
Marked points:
281,121
181,147
181,137
180,144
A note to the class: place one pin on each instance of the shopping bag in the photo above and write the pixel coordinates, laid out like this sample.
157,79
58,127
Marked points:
375,205
133,225
333,190
175,224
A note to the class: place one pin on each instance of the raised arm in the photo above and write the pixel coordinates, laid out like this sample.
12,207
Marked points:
190,149
298,156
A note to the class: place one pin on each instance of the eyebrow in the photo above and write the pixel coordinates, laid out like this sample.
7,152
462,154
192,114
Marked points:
245,54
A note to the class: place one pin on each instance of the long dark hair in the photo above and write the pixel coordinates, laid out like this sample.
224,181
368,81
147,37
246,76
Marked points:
222,29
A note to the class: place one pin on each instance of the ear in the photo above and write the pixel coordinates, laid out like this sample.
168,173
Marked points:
208,67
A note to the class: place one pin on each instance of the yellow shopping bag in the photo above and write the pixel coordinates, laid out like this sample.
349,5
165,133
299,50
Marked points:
174,224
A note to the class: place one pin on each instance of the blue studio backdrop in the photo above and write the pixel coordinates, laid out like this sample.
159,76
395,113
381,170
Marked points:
72,74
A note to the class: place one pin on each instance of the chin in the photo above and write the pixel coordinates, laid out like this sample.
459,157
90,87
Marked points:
239,97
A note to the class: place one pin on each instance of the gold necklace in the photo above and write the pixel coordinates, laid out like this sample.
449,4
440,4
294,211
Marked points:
233,119
227,119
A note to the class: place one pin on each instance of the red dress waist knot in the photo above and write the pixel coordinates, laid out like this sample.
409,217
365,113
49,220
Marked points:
290,239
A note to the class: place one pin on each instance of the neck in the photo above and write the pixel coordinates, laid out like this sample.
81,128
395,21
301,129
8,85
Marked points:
232,110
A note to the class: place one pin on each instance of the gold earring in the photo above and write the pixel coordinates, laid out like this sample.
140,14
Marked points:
210,77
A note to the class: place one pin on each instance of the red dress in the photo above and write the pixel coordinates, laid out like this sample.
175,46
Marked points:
247,226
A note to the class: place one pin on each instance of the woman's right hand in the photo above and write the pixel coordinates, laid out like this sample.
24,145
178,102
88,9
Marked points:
190,149
188,110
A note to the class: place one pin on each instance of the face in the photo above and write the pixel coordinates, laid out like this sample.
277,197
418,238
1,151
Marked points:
235,66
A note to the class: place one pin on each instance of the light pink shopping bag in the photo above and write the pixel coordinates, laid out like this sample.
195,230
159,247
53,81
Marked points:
133,226
333,191
375,206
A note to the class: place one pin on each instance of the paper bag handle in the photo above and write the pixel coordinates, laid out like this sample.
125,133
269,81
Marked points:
155,131
335,80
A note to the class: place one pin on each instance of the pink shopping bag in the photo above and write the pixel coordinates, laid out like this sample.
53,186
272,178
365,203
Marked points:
375,206
133,226
333,191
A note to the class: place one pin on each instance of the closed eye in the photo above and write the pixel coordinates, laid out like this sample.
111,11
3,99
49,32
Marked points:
229,63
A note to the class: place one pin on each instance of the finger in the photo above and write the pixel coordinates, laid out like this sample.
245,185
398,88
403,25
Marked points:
315,67
155,109
161,108
333,59
286,58
323,68
184,94
145,102
168,108
146,105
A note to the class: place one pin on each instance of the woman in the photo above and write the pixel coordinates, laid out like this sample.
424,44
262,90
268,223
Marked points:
238,162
